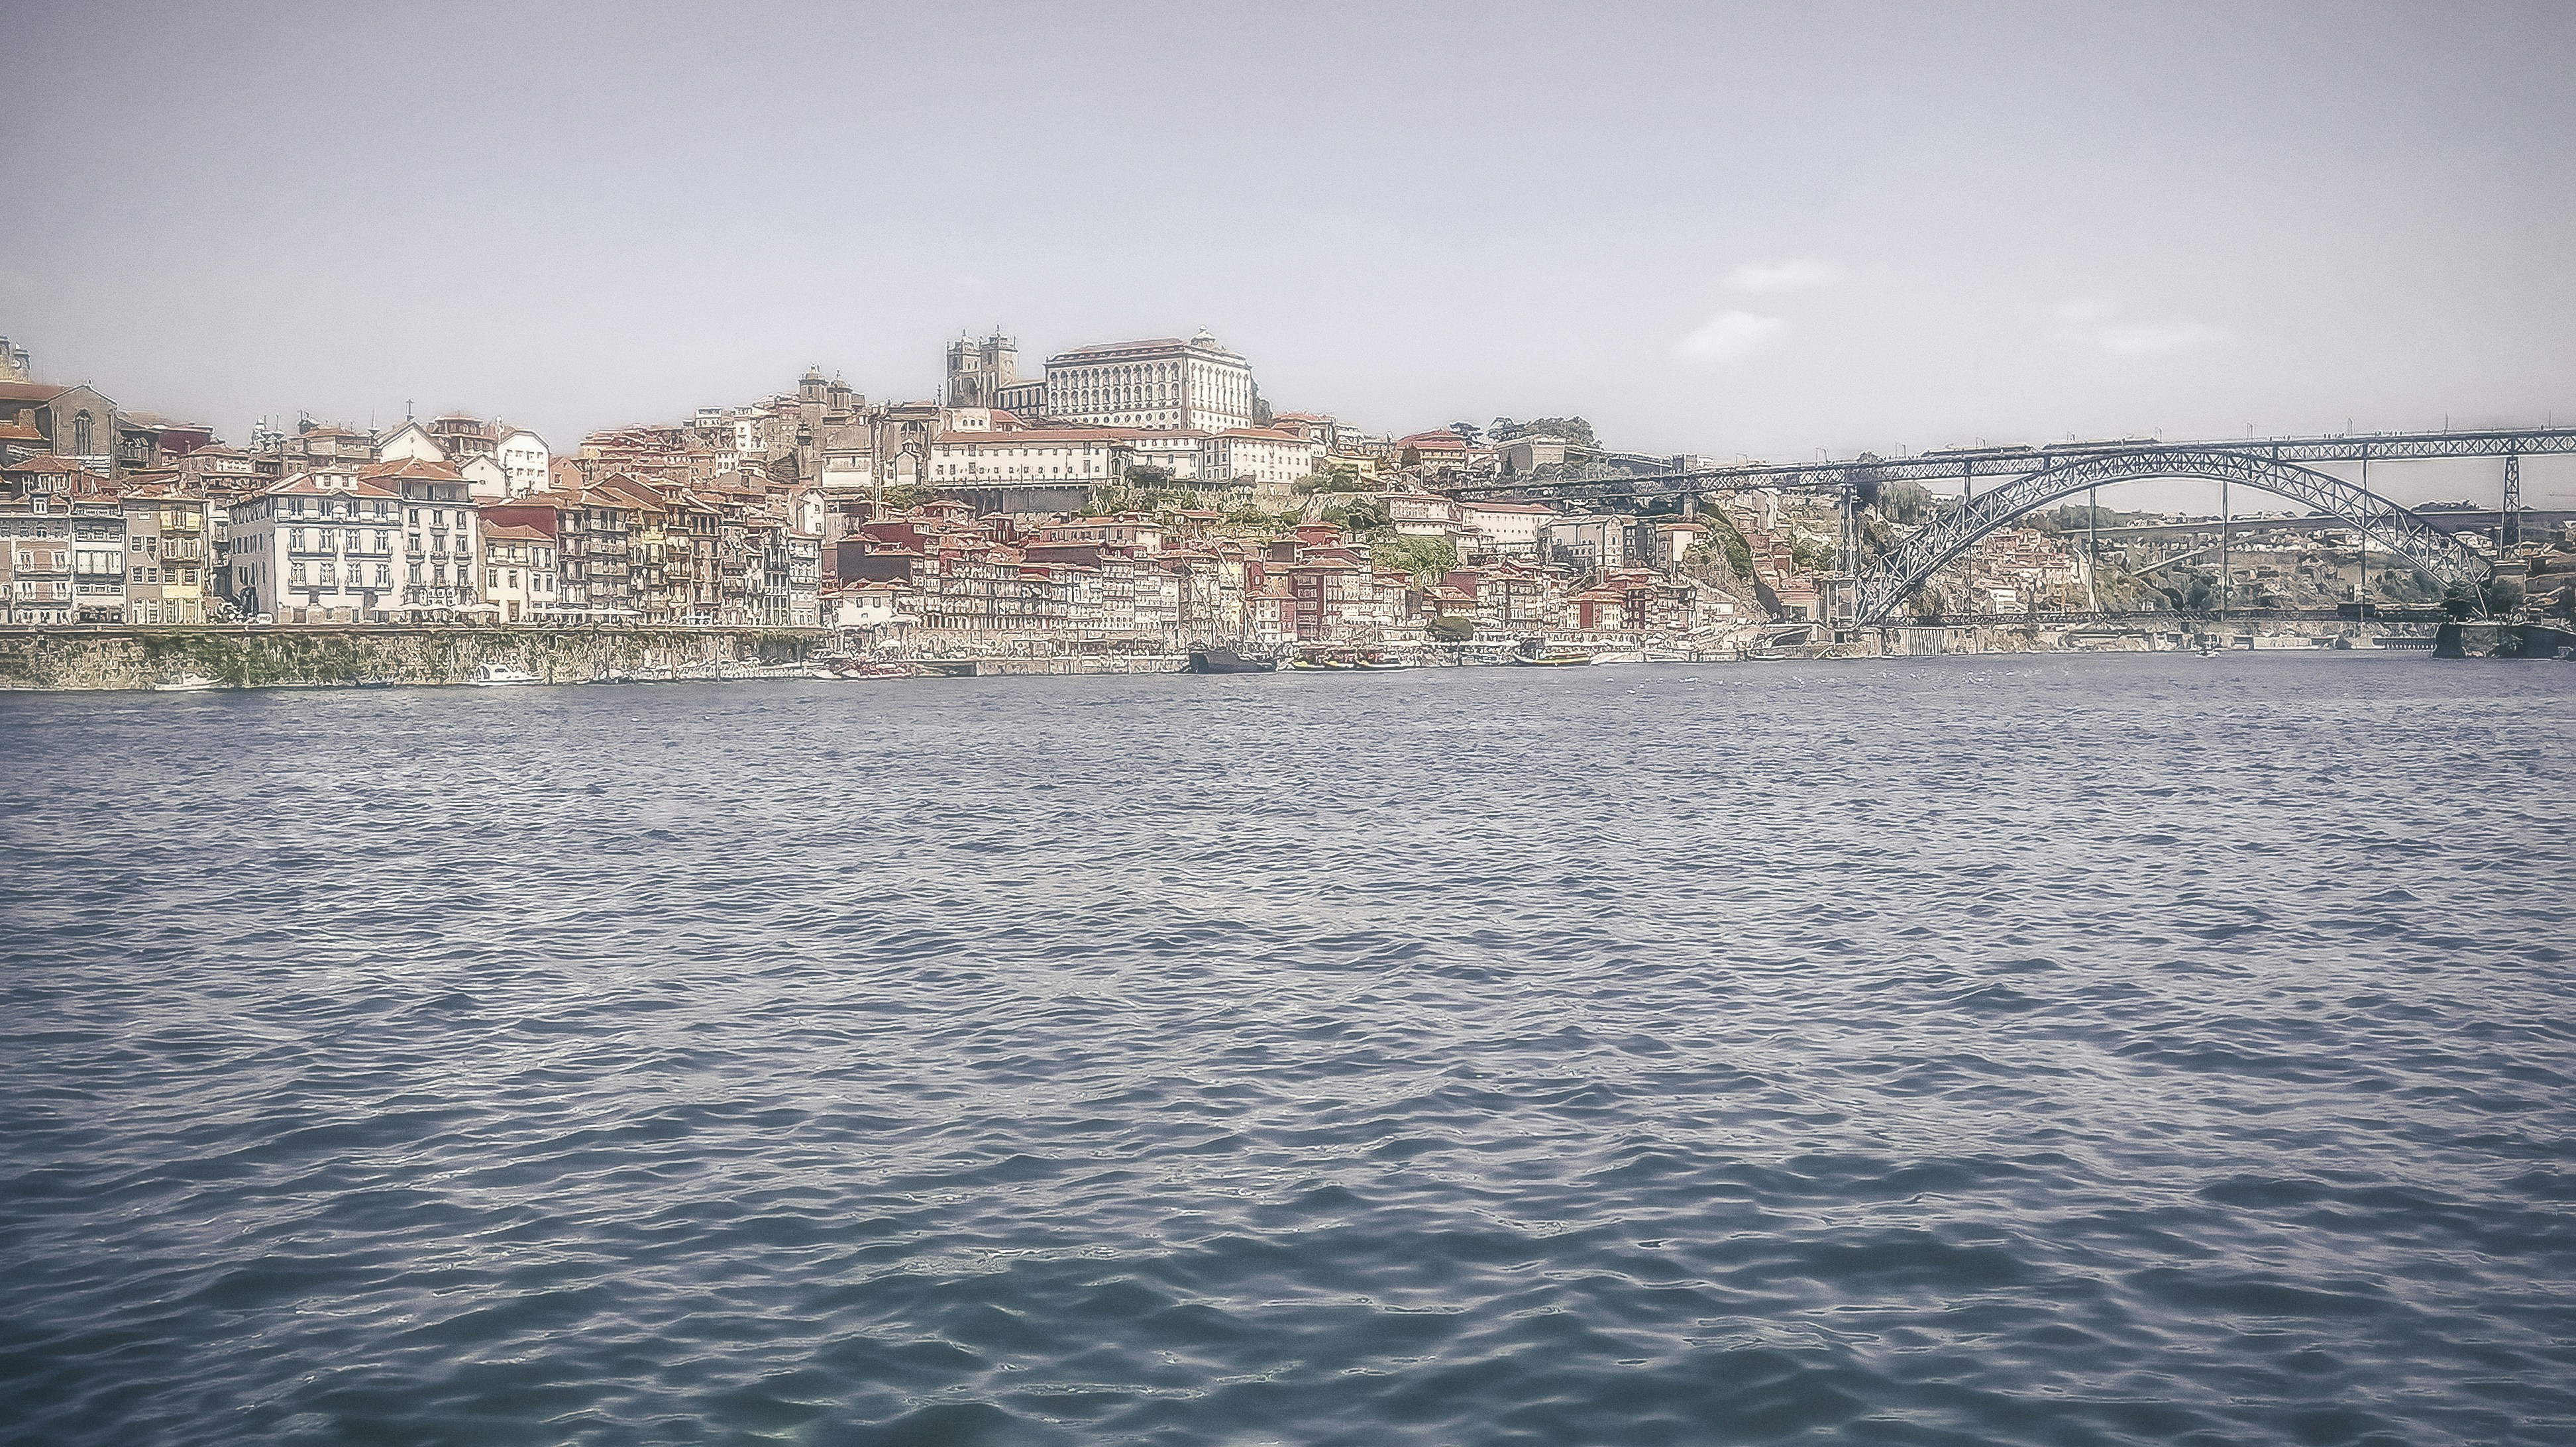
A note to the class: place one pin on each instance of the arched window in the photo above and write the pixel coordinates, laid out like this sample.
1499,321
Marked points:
80,435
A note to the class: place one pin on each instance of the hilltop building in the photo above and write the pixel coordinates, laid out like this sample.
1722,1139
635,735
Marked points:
1161,383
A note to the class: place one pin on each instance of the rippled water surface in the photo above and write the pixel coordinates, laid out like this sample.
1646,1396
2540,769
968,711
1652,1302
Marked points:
1961,1051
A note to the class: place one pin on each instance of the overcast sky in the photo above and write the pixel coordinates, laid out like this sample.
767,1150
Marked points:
1731,229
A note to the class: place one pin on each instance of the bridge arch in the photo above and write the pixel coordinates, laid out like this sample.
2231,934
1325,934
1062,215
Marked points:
2384,524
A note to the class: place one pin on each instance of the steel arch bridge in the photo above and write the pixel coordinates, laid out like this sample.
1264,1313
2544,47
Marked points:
1885,587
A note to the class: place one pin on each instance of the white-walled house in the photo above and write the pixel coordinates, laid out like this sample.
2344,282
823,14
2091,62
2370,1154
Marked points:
409,441
871,613
525,459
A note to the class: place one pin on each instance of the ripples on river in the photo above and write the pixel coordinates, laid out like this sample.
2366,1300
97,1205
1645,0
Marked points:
1958,1051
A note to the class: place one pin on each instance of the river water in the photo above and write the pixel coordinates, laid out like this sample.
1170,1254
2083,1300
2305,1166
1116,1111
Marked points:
2049,1050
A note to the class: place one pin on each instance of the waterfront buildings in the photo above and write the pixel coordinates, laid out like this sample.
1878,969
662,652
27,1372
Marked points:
62,561
1136,490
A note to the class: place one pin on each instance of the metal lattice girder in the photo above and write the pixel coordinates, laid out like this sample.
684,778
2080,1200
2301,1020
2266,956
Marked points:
1973,466
2509,516
2381,522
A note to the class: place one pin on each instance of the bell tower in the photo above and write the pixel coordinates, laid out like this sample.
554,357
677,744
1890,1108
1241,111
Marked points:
979,369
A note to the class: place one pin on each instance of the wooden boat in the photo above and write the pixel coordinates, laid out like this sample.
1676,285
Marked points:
1226,660
1321,660
1549,660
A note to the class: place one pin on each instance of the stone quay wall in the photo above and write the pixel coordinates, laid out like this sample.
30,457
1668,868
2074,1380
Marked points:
324,656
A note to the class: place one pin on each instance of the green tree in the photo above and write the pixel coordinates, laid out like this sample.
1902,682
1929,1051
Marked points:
1739,553
1427,559
1359,516
1340,479
1907,504
1573,429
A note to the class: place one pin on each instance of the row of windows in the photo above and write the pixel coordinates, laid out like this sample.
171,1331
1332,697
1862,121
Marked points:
325,575
346,507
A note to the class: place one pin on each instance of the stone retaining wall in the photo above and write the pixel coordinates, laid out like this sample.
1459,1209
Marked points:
111,658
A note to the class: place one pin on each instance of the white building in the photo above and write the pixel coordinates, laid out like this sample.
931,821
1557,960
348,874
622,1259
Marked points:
1506,529
874,610
318,547
525,460
1133,531
1176,451
1163,383
1039,455
1254,457
440,526
1592,542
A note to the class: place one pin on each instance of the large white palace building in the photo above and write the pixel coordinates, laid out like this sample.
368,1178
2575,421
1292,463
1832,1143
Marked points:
1163,384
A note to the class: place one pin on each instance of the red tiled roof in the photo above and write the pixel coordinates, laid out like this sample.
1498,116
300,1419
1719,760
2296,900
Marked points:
303,485
30,391
412,469
47,463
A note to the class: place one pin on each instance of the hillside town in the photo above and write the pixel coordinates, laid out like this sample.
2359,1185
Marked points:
1141,493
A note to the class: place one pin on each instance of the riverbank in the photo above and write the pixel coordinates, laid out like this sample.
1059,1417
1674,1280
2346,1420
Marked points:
110,659
83,659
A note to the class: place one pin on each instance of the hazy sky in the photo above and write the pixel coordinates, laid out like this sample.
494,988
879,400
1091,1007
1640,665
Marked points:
1760,229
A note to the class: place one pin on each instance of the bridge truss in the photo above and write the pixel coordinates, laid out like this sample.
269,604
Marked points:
2020,479
1884,588
1976,466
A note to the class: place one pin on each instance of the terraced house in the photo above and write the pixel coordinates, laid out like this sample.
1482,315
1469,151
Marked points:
519,573
167,556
